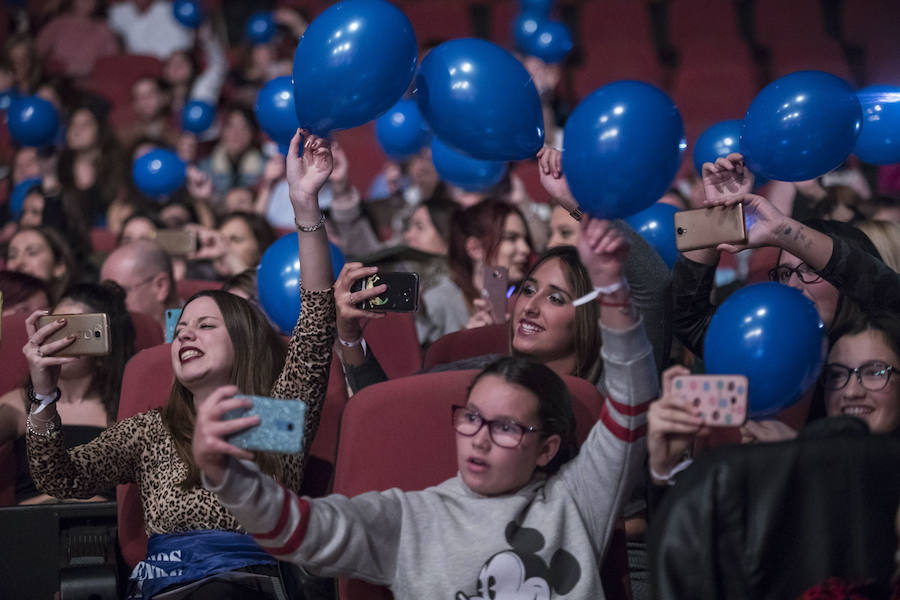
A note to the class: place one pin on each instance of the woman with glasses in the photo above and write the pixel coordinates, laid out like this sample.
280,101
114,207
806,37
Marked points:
528,515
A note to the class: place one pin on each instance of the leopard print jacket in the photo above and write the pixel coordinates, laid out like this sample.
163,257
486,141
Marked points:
140,450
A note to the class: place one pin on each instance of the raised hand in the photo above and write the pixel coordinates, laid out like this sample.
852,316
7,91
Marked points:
765,223
307,174
552,178
602,249
671,426
727,178
770,430
42,363
199,184
209,445
348,315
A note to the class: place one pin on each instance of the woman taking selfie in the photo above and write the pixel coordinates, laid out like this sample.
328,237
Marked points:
524,512
221,341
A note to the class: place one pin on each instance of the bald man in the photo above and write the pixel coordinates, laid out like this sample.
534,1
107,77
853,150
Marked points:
144,270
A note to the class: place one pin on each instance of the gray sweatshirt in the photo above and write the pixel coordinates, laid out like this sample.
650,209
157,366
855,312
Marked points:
543,541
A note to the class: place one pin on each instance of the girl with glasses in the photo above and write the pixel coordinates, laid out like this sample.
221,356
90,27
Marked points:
524,513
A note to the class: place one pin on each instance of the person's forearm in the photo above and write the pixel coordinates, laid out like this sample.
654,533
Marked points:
315,258
811,246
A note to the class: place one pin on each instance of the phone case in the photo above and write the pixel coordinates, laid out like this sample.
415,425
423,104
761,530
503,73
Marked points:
172,316
494,287
91,333
722,399
402,294
176,242
280,428
709,227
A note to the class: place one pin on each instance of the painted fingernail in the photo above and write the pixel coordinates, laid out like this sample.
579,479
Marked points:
61,321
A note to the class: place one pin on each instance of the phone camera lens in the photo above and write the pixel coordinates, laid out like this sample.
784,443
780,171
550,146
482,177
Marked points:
290,426
679,230
96,334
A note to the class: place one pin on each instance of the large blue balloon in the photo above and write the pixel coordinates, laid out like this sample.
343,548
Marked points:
188,12
32,121
622,147
278,280
480,100
275,111
471,174
401,131
197,116
656,224
879,141
352,64
800,126
159,172
772,334
260,27
551,42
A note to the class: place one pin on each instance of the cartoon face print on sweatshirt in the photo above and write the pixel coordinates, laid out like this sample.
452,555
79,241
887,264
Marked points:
520,574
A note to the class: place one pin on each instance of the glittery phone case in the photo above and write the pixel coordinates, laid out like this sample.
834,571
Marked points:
280,428
721,399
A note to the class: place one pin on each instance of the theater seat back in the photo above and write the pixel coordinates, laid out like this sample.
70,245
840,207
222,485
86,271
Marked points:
467,343
395,418
13,366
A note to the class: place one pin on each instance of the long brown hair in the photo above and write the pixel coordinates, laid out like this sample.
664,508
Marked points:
259,355
587,332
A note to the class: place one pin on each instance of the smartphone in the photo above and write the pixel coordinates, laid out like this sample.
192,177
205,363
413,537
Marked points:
177,242
402,293
172,316
280,427
494,287
91,333
709,227
721,399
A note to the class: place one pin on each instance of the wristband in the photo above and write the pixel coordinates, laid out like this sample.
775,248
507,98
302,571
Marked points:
603,289
669,478
44,400
352,344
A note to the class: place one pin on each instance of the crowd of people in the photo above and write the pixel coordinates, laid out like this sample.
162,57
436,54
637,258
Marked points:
588,298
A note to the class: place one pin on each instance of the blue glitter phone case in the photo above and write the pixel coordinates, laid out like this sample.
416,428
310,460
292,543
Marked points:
280,428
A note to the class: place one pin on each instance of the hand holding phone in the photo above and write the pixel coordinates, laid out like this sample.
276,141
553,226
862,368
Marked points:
91,331
280,427
402,293
709,227
721,400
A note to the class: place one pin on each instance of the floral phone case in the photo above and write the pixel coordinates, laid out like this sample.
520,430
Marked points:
721,399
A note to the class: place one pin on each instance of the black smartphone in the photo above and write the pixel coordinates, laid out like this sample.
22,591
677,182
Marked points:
402,293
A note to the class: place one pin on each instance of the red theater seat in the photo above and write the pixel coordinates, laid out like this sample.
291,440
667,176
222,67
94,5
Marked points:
147,332
13,366
188,287
395,418
103,241
394,341
467,343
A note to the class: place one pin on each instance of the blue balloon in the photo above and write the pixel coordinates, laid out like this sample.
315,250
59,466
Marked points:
278,280
800,126
525,26
622,148
471,174
551,42
159,172
539,8
197,116
772,334
32,121
401,131
879,141
720,140
17,196
188,12
480,100
352,64
260,28
275,111
656,225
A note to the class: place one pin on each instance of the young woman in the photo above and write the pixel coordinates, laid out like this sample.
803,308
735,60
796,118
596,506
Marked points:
522,513
43,253
220,340
89,386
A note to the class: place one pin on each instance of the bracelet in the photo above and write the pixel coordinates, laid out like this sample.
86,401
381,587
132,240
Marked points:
310,229
352,344
576,214
603,289
52,425
43,400
622,304
669,478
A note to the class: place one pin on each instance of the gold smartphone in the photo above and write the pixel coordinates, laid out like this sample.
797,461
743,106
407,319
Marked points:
91,333
177,242
709,227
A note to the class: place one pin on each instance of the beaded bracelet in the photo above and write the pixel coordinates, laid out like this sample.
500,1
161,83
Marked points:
312,228
52,425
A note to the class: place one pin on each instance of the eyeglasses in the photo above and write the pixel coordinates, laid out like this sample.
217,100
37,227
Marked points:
782,274
873,376
506,433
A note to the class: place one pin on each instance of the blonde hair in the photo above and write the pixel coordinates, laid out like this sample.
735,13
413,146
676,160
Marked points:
885,236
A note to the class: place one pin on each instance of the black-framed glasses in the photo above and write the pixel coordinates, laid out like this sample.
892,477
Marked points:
873,375
782,274
506,433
